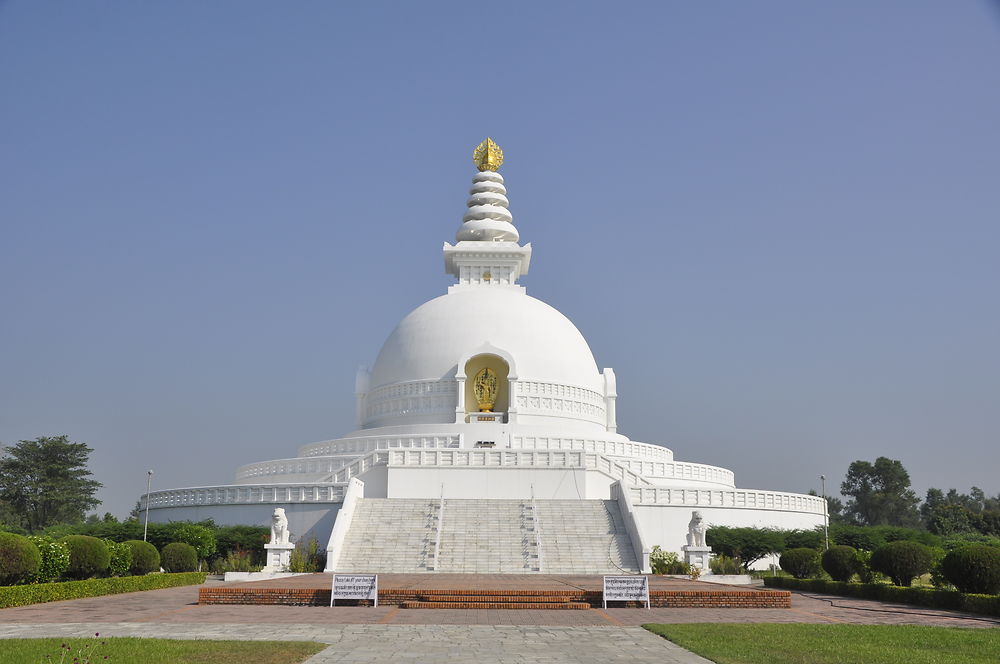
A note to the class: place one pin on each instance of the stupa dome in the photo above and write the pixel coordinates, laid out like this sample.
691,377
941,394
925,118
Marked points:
542,343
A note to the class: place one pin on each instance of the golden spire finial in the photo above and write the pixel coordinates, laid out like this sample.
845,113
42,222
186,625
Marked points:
488,156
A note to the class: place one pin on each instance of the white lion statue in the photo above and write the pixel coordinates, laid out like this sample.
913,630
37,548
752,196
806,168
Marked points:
696,530
279,526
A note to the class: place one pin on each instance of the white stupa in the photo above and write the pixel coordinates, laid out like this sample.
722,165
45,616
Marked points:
486,394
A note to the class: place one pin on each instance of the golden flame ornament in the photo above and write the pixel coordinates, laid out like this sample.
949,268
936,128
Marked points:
484,386
488,156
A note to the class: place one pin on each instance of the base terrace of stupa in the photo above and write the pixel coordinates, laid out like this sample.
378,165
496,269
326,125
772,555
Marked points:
487,441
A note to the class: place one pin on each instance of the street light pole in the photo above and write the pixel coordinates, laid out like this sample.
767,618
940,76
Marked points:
149,481
826,515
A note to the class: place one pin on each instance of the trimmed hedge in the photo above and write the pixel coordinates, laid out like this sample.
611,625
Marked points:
179,557
841,562
973,569
52,592
801,563
19,558
145,557
903,561
949,600
88,556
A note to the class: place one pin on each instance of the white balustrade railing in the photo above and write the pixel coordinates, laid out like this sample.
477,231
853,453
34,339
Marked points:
612,448
365,444
246,494
681,470
735,498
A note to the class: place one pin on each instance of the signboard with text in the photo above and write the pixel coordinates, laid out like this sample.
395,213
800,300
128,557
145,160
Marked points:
626,589
354,586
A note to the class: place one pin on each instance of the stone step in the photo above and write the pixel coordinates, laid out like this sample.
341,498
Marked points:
416,604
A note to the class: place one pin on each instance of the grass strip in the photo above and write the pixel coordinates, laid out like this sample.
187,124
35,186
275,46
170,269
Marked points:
834,644
155,651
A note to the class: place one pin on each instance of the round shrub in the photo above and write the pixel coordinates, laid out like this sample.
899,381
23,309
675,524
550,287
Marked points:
841,562
88,556
902,561
179,557
19,558
801,563
973,569
121,558
55,559
145,557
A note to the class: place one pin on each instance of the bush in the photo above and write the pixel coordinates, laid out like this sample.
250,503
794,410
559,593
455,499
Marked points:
973,569
51,592
202,538
841,562
55,559
245,540
88,556
179,557
800,563
725,565
666,562
121,558
307,557
235,561
145,557
901,561
19,558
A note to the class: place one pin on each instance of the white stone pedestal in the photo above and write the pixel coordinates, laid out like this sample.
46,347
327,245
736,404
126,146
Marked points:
697,556
278,557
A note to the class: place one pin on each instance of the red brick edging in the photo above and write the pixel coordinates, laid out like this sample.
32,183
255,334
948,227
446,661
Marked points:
514,599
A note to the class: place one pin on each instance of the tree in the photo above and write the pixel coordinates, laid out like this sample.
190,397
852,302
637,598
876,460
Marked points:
879,494
46,481
747,544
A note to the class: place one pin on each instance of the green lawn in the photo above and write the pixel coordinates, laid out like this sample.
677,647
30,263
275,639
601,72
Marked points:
154,651
835,644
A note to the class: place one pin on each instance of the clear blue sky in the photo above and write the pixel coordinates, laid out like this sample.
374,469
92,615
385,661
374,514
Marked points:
778,221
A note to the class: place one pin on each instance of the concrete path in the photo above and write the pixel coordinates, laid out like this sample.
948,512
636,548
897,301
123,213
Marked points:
414,644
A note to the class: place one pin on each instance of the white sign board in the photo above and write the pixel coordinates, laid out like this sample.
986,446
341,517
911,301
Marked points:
354,586
626,589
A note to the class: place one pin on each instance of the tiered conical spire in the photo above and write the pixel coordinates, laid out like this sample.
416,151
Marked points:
487,219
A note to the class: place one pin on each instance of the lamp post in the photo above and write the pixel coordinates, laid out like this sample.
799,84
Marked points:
149,481
826,515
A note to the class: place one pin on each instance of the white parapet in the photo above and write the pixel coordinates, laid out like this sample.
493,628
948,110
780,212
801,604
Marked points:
355,491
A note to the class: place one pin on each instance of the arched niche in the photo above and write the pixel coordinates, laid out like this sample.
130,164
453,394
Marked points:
473,366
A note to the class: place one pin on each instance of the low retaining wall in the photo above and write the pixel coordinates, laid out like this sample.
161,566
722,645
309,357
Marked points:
709,599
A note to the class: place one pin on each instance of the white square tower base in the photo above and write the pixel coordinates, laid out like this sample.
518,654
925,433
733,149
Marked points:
278,557
698,556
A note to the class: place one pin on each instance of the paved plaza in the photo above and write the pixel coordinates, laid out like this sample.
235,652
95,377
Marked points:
388,633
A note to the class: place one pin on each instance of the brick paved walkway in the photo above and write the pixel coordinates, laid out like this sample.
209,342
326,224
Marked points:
179,606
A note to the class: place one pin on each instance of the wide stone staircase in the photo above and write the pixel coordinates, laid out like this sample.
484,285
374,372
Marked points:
487,537
584,537
396,535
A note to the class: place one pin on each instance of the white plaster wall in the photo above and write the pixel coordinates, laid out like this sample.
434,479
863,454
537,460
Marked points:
303,519
667,525
485,482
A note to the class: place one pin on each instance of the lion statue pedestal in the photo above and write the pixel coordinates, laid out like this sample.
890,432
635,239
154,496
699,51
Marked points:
696,552
279,549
